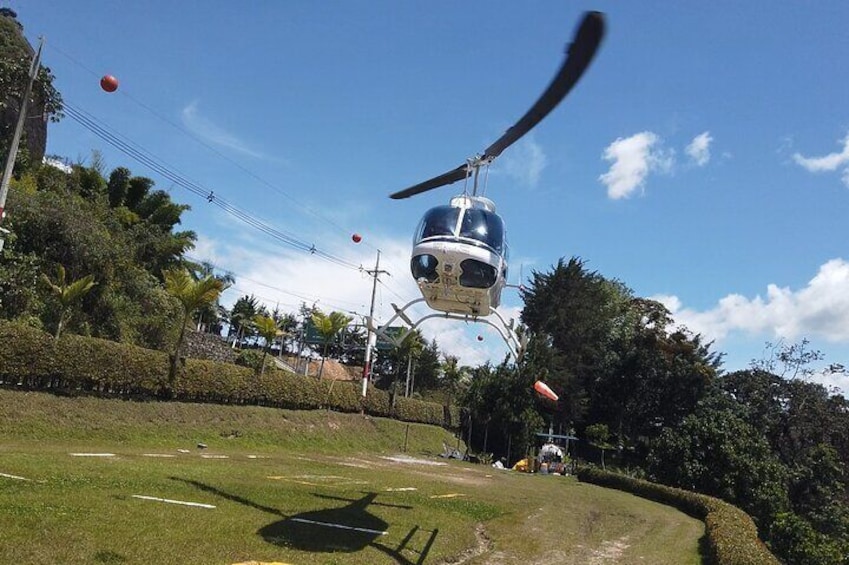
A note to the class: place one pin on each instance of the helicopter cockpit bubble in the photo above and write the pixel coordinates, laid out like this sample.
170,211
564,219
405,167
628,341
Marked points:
439,221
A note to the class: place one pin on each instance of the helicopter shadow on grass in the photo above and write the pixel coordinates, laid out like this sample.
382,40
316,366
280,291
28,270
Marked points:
348,528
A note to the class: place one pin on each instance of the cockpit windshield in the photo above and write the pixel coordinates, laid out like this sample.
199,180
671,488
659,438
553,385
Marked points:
484,226
477,224
441,220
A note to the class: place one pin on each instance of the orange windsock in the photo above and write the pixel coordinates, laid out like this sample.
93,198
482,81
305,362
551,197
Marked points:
543,389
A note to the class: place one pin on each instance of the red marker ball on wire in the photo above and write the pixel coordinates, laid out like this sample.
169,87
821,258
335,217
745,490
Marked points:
357,238
109,83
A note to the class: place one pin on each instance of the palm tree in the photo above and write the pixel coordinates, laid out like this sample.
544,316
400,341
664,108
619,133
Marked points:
453,376
267,328
210,314
328,327
410,349
67,293
192,295
241,315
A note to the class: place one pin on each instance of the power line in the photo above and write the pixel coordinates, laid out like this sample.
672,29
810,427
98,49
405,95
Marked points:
146,158
188,133
208,194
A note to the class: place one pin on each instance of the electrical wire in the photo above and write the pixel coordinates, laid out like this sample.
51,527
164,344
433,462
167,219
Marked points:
146,158
139,153
201,142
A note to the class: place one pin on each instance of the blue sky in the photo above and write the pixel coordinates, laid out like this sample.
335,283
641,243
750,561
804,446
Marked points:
703,160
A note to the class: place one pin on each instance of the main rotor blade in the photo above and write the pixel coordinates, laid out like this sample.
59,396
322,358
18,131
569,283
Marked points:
446,178
578,57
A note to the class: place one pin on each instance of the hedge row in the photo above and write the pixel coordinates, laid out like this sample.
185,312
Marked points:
34,360
732,535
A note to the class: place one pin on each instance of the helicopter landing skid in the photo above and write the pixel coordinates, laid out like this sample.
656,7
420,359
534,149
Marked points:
515,343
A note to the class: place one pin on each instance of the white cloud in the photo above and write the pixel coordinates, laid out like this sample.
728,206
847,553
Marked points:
525,162
819,310
213,133
699,149
827,163
633,159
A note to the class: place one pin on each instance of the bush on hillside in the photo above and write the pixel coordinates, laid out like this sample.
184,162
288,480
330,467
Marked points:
732,535
33,359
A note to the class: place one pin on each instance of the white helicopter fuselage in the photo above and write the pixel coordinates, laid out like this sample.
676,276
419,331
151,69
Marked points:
446,294
459,258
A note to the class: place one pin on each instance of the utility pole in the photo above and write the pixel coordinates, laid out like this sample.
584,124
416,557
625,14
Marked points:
371,339
16,138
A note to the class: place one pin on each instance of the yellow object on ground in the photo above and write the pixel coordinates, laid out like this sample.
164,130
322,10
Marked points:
521,465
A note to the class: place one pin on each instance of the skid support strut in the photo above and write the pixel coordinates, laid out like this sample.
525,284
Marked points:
515,343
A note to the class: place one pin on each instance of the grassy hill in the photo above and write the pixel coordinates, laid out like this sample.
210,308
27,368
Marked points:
291,487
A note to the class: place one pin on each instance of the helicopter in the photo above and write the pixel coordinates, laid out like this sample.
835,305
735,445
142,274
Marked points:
460,252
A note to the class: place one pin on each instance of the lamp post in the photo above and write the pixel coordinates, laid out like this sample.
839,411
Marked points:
16,138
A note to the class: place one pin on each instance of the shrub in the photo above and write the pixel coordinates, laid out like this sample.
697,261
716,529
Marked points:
77,364
732,535
251,358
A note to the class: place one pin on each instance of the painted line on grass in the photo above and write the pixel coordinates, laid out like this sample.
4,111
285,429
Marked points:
16,477
158,455
400,489
169,501
92,454
318,480
405,459
339,526
215,456
450,495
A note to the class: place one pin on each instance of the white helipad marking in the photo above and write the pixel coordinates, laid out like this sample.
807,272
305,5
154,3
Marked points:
405,459
169,501
339,526
355,465
401,489
17,478
158,455
215,457
92,454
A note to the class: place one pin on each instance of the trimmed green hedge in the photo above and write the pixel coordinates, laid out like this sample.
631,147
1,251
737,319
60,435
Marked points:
33,359
732,535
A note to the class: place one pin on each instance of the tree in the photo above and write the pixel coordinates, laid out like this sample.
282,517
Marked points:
715,452
67,293
267,328
572,315
55,224
454,376
328,327
241,314
598,435
118,185
192,295
210,316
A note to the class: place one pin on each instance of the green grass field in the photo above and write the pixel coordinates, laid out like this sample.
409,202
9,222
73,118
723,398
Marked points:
296,488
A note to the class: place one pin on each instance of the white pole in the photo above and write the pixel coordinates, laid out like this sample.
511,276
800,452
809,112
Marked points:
371,340
16,138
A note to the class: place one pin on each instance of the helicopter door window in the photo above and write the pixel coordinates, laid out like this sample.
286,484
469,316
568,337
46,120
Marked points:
438,221
483,226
